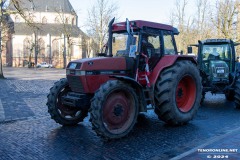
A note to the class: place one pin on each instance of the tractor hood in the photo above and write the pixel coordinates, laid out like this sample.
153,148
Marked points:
100,63
86,75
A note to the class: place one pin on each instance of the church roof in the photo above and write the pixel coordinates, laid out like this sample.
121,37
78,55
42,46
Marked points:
45,6
44,29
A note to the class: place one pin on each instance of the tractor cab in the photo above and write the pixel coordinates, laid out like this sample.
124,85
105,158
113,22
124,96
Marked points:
142,44
141,40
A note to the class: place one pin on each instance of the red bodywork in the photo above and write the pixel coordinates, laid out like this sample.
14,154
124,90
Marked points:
139,24
104,67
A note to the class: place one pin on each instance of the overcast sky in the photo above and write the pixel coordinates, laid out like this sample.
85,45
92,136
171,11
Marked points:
150,10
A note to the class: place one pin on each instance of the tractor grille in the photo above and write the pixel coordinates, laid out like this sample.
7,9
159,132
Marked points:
75,84
220,65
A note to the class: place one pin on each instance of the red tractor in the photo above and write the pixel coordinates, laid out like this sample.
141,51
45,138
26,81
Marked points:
139,70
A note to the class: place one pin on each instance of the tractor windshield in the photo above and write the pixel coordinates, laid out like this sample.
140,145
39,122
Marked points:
216,60
216,51
123,42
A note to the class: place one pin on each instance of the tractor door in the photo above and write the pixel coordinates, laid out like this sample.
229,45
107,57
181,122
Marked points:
168,43
150,49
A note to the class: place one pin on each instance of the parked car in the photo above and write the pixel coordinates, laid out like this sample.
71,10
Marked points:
44,65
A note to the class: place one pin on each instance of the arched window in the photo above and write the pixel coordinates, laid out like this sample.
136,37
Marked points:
72,50
41,44
44,20
66,20
55,48
57,20
26,48
73,21
17,19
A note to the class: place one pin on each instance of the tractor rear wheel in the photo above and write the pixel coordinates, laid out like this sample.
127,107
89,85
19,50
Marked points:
61,113
114,110
237,94
178,93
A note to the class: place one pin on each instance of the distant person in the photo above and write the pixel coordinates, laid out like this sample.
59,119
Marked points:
214,54
146,46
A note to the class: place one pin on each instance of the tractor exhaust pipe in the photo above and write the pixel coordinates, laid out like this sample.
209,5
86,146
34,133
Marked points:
110,37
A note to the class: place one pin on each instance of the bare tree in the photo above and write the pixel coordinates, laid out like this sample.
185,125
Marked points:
68,31
99,15
225,18
1,28
178,18
202,22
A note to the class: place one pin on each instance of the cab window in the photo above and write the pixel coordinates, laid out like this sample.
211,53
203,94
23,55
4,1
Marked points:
168,43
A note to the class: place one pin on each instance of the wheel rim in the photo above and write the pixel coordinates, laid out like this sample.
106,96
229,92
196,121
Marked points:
186,93
119,111
65,111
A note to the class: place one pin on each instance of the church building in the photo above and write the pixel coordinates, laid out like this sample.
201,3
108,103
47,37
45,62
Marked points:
48,32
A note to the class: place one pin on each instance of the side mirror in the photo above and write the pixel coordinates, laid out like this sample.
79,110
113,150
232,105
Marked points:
236,44
128,26
189,49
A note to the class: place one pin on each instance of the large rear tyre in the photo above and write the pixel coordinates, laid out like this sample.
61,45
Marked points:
114,110
237,94
178,93
61,113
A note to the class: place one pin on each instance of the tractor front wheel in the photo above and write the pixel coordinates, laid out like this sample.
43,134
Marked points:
114,110
61,113
178,93
230,95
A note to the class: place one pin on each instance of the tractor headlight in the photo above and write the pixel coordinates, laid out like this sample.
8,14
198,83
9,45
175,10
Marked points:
80,73
75,72
68,72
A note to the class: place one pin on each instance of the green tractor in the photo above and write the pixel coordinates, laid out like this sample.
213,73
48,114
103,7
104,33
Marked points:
219,68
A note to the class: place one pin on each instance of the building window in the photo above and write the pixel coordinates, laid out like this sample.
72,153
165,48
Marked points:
55,48
26,47
44,20
72,50
73,21
57,20
67,21
17,19
41,45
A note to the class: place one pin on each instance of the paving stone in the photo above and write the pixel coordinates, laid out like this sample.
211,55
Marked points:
28,132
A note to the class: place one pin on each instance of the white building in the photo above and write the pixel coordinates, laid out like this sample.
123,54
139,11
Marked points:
48,33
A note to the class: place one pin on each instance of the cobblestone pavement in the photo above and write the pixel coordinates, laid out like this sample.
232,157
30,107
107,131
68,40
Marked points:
225,146
23,93
27,132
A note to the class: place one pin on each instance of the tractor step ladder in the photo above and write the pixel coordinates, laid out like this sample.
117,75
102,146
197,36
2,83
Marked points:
149,97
